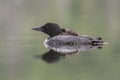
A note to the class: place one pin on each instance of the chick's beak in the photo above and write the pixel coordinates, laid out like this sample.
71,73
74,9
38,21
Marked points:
38,29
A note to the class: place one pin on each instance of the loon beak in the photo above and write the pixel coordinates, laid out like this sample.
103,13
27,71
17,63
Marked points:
38,29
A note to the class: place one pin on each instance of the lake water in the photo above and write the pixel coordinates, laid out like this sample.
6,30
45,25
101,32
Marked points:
19,44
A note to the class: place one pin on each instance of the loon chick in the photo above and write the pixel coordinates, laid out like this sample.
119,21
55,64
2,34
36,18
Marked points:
53,29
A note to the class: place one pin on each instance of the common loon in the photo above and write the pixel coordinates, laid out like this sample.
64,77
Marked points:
58,35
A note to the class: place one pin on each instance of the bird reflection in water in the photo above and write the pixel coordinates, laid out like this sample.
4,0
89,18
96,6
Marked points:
62,45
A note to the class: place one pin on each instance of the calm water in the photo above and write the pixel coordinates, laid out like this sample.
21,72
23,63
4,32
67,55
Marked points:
19,44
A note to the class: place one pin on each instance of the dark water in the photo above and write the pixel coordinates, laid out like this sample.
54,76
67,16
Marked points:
19,44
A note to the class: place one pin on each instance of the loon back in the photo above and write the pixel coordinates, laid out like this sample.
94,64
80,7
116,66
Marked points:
70,43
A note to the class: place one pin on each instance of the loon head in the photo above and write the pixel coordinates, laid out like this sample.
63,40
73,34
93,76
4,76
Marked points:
51,29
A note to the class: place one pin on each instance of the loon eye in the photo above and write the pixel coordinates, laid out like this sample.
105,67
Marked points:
46,27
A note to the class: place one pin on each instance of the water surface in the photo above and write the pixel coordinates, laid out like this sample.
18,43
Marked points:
19,44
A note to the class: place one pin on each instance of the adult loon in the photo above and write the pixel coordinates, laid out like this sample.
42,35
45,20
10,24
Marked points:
67,37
